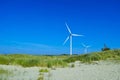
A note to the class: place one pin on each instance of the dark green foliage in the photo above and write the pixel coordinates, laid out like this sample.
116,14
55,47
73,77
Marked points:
105,48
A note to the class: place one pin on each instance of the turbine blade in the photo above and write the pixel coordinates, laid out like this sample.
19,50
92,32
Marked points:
88,46
83,45
76,35
66,40
68,28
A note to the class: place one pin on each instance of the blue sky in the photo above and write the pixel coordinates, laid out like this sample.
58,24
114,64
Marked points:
38,26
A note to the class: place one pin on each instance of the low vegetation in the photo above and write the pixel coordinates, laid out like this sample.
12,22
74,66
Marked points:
32,60
2,71
56,61
43,70
96,56
41,75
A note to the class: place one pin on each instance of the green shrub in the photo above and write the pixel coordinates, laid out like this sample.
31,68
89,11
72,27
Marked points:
105,48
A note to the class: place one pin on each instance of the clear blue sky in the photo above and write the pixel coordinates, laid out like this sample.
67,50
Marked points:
38,26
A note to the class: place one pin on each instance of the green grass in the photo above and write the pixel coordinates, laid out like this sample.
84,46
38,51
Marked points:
57,61
43,70
96,56
4,59
32,60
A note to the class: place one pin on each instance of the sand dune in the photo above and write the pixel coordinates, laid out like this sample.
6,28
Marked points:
103,70
99,71
19,73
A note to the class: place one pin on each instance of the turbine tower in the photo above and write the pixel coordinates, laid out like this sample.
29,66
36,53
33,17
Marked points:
86,47
70,37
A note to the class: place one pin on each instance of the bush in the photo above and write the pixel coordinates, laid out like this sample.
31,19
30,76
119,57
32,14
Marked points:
105,48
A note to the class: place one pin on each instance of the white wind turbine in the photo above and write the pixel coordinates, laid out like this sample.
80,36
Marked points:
70,37
86,47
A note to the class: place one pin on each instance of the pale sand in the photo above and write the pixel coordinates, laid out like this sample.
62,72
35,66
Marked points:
19,73
103,70
100,71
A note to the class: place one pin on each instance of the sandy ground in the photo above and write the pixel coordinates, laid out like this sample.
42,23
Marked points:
99,71
19,73
104,70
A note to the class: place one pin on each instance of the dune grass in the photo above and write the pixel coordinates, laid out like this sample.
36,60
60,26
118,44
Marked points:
42,71
32,60
53,61
96,56
57,61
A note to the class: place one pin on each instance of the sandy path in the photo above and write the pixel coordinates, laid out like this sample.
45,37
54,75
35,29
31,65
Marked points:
101,71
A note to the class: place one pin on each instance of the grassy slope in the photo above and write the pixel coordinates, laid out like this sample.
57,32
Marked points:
57,61
96,56
30,60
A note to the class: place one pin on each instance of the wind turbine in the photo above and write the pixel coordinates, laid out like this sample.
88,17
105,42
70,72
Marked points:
70,37
86,47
